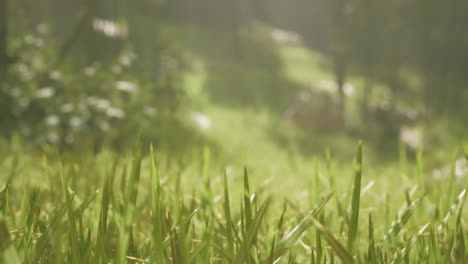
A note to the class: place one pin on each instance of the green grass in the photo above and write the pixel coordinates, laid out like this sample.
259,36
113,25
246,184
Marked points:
108,208
252,196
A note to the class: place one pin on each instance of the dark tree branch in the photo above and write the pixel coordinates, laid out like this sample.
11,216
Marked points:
72,39
4,61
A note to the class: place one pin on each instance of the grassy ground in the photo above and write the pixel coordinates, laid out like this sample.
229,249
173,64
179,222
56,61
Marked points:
112,209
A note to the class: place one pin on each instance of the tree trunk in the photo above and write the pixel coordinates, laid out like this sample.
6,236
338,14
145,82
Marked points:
3,38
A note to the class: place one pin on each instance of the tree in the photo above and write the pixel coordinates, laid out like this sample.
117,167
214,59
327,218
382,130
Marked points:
4,59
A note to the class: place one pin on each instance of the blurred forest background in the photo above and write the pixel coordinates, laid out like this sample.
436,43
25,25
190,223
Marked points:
263,78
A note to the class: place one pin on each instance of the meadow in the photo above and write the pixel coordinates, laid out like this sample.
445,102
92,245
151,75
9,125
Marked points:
146,208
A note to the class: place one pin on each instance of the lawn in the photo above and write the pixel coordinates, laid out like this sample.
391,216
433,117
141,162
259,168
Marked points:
144,208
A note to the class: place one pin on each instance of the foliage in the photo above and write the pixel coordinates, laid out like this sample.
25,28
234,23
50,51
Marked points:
47,102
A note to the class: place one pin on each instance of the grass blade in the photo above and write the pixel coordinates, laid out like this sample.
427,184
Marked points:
292,237
354,223
8,253
403,218
404,252
158,238
245,247
227,213
337,247
73,233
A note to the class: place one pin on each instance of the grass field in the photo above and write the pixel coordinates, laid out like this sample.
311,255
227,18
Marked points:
146,208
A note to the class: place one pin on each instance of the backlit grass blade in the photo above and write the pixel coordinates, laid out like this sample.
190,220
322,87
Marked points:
459,249
404,252
450,185
355,206
247,202
292,237
371,252
271,257
403,218
244,249
227,214
457,204
337,247
434,249
206,174
102,226
158,238
319,253
74,242
129,205
132,191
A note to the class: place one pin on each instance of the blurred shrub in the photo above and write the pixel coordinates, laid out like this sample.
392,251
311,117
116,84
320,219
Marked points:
100,103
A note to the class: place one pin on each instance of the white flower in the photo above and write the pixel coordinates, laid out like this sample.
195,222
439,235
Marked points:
285,37
25,72
127,59
22,68
115,112
29,39
55,75
202,120
461,167
150,111
109,28
45,93
52,120
411,136
325,86
125,86
91,100
102,104
348,89
66,108
90,71
42,28
75,122
437,173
